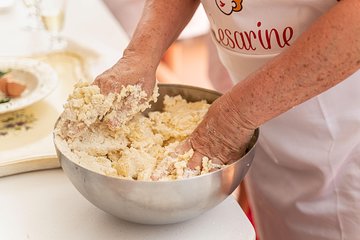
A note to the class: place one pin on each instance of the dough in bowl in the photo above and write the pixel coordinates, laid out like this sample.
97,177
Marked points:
111,135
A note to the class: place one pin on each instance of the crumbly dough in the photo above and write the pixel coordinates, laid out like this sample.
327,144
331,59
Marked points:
110,135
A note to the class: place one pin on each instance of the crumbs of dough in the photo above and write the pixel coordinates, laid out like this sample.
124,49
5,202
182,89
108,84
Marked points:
110,135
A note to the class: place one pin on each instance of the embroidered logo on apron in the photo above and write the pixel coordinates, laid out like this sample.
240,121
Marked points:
229,6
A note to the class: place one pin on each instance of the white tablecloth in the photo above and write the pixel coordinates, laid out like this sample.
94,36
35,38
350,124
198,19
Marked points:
43,205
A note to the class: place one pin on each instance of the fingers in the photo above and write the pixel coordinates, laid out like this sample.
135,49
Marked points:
114,79
109,81
183,147
196,158
221,134
195,161
216,160
128,71
201,162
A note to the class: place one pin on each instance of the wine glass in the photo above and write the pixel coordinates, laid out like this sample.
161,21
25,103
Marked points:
33,19
52,14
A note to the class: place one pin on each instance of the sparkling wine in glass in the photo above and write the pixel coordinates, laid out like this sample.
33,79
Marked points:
52,14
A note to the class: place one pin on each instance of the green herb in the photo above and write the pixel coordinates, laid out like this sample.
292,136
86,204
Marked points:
3,73
15,121
4,100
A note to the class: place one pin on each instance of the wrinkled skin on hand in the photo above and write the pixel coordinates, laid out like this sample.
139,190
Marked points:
129,70
222,136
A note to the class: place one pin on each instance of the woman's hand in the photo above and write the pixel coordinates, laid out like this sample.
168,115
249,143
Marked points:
131,69
222,136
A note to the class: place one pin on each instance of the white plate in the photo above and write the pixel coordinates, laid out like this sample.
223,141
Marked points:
39,77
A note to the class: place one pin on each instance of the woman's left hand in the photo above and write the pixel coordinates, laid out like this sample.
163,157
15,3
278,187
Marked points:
222,136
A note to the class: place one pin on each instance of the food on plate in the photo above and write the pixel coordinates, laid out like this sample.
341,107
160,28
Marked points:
3,97
14,89
10,87
3,83
111,135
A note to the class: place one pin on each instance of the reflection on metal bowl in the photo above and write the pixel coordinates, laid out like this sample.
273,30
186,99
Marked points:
161,202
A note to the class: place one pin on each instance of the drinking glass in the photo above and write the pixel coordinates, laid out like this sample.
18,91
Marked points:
33,19
52,14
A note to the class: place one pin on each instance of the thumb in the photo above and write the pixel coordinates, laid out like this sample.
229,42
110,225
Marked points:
195,160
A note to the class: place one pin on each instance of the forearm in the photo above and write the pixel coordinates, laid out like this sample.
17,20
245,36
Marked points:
161,23
322,57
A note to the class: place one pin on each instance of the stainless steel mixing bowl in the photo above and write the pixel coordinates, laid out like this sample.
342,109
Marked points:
160,202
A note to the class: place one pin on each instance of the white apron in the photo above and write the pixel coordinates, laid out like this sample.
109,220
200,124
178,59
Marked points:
305,179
